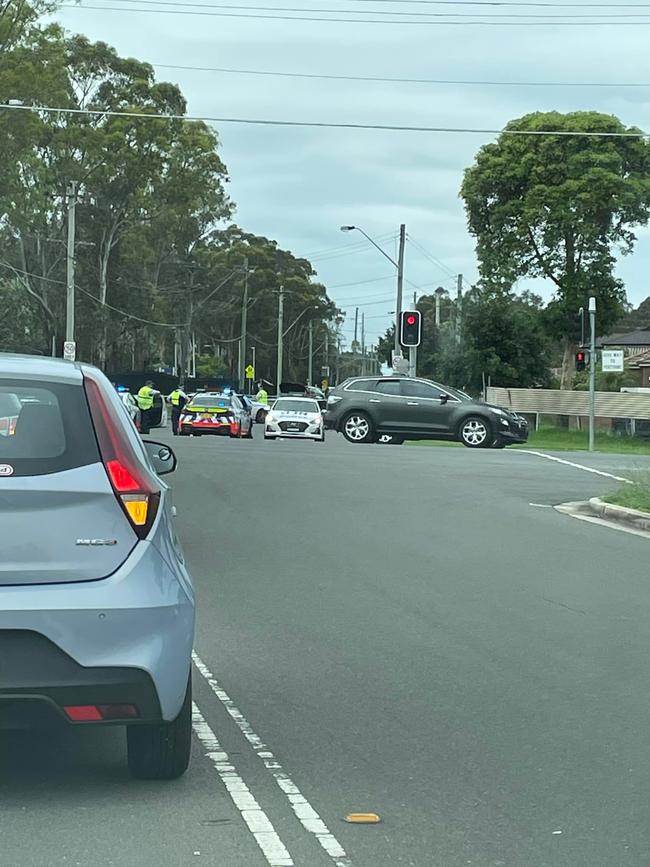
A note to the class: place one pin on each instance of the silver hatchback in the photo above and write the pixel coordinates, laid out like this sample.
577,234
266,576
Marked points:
96,605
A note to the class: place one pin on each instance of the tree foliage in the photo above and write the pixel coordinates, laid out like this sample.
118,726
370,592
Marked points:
158,267
558,207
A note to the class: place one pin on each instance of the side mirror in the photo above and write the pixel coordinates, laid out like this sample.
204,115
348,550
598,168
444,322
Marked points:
444,398
161,456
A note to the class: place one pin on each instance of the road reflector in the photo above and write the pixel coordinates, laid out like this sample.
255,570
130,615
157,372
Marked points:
362,818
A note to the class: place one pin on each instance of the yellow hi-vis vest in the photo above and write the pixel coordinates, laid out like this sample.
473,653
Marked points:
176,396
145,397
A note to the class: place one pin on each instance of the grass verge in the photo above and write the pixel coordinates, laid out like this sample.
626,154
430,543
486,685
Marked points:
631,496
557,439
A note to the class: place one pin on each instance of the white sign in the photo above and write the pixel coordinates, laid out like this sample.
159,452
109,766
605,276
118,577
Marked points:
612,361
69,350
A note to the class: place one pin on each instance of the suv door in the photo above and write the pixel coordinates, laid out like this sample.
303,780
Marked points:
388,407
428,410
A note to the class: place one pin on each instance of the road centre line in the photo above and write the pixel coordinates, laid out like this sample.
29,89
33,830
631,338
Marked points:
258,822
305,813
574,465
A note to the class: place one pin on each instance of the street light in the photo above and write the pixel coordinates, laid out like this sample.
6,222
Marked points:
400,270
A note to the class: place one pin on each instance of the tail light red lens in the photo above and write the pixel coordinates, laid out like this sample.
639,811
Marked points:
100,712
135,487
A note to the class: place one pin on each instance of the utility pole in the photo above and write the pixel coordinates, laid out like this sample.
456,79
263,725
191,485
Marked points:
459,306
244,312
363,344
278,374
310,369
354,342
400,283
439,293
592,371
413,350
250,387
71,199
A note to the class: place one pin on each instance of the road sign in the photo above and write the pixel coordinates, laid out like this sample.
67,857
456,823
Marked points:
612,361
399,363
69,350
250,372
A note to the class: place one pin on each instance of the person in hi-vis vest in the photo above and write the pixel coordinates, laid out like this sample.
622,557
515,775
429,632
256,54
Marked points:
178,399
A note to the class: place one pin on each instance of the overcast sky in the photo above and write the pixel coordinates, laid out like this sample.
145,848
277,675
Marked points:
299,185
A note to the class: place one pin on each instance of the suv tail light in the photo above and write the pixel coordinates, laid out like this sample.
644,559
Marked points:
135,487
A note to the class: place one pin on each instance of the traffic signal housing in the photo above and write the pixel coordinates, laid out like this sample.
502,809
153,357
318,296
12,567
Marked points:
581,359
410,328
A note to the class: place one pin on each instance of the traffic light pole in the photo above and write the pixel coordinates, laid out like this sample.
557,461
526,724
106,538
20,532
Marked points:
413,350
592,371
400,283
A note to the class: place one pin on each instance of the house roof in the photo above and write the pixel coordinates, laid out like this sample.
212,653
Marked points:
640,337
641,359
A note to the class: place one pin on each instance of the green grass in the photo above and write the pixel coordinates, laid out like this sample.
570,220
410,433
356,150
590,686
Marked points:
558,439
632,496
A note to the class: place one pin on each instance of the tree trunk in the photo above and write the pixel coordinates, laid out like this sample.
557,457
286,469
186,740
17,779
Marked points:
566,376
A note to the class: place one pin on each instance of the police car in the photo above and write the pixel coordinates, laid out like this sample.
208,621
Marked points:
295,418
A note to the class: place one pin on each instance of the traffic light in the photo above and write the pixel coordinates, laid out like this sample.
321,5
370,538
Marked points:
410,328
581,359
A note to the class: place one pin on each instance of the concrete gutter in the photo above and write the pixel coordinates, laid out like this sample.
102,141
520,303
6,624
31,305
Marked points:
632,517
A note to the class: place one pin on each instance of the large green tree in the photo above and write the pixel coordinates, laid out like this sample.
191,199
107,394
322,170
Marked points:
559,205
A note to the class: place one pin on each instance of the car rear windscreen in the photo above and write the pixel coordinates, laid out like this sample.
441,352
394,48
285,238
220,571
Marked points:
44,428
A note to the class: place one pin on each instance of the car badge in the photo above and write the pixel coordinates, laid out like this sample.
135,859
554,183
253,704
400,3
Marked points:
6,470
95,543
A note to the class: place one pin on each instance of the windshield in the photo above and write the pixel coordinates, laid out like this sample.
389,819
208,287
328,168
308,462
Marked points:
288,405
410,587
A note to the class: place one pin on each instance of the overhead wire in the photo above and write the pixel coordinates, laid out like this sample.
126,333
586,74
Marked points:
463,21
399,80
326,124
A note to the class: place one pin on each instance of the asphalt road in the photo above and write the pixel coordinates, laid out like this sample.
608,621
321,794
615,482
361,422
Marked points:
396,630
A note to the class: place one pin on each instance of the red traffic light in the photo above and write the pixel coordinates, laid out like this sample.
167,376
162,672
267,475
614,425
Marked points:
410,328
581,359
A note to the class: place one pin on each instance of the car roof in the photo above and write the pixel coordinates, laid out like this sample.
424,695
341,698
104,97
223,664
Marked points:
39,367
296,399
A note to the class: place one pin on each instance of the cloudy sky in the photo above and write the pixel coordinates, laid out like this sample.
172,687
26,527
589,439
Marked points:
299,185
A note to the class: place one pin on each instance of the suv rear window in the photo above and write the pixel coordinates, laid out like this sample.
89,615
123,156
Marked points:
44,428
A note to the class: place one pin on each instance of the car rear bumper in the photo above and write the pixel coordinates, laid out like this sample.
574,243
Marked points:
140,619
212,430
42,680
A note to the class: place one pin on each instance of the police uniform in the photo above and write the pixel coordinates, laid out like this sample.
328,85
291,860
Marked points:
178,399
145,405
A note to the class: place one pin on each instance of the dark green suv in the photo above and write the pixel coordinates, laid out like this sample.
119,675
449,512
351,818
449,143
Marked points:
395,408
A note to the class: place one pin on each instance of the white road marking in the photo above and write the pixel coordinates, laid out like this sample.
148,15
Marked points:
541,505
307,816
574,465
258,822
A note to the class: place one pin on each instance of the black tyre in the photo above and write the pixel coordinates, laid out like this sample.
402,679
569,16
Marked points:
162,752
357,428
499,444
475,432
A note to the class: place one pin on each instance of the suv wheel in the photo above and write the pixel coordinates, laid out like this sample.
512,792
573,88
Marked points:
162,751
357,428
475,433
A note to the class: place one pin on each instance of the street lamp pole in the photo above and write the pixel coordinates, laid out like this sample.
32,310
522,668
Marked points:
399,265
310,371
592,371
71,196
278,373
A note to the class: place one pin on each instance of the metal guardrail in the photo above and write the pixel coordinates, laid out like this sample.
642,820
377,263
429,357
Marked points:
547,401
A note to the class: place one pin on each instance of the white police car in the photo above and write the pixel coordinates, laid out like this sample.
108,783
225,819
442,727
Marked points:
295,418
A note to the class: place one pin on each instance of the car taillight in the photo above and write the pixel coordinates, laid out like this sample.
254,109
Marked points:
135,487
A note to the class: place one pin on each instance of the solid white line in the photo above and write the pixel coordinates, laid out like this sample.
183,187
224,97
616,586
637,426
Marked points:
258,822
574,465
305,813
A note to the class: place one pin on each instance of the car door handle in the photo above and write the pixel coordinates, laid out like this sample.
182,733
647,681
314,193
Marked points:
412,403
374,400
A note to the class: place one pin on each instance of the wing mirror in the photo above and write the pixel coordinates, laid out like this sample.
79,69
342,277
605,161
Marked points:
443,398
161,456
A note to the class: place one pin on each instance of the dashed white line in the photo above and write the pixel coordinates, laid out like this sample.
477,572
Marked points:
305,813
574,465
258,822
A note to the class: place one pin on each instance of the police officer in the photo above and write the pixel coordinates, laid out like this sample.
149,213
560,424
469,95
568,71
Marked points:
145,404
178,399
262,395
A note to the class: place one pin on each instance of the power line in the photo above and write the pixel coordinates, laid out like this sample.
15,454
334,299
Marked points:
397,80
327,124
313,10
466,21
359,282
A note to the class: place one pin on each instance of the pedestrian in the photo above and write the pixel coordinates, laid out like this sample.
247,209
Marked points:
262,395
145,405
178,399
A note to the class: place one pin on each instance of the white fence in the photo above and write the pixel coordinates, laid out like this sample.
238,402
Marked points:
549,401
